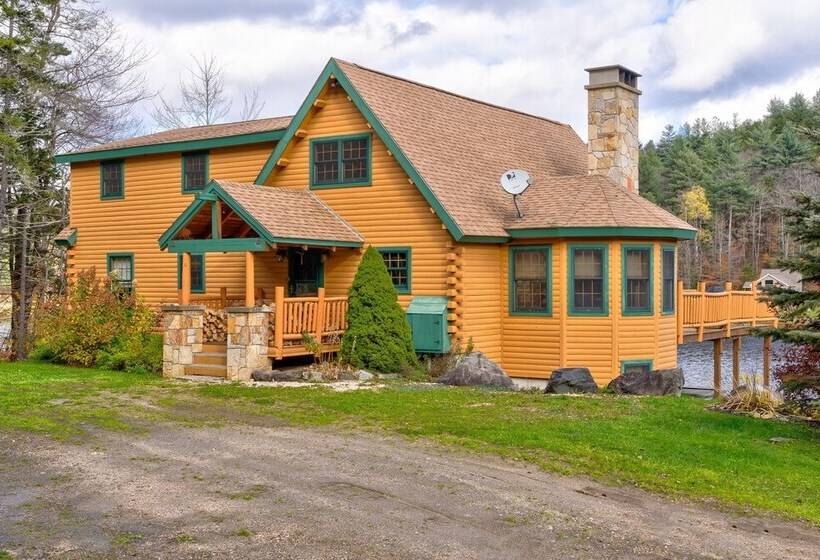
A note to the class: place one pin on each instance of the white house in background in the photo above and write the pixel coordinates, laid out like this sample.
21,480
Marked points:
778,277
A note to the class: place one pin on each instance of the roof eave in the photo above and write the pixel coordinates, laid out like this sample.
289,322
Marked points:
169,147
604,231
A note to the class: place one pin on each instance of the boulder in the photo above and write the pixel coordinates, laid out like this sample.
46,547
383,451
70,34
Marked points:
262,375
364,375
655,382
277,375
571,380
476,369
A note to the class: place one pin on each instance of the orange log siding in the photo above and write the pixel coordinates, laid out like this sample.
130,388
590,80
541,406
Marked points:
153,199
533,346
390,212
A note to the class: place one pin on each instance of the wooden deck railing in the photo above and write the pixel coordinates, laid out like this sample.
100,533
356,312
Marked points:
323,318
704,311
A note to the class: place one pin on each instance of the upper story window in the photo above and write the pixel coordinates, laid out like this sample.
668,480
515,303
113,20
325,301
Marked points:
112,180
668,274
530,280
397,261
121,269
194,171
588,283
340,162
637,278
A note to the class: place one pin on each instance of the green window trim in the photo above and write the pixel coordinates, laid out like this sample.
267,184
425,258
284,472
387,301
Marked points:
200,289
625,308
511,304
604,311
109,261
112,196
341,183
669,309
184,180
408,253
640,362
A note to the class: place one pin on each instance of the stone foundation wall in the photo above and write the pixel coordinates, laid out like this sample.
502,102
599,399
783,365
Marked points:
182,337
247,341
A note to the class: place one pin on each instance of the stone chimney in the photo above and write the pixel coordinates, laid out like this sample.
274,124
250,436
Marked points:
613,124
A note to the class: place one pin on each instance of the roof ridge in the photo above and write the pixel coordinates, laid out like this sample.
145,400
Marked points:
603,186
335,214
454,94
212,124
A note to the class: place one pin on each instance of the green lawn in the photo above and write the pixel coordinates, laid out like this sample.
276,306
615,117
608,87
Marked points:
666,445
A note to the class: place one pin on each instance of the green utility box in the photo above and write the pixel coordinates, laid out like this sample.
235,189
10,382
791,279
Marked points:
428,321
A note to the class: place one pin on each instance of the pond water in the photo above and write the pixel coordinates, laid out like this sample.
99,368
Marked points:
696,360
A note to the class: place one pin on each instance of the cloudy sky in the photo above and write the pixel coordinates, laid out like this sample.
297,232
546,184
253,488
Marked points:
699,58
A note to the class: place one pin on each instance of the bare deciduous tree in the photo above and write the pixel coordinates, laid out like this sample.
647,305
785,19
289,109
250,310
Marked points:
203,99
69,80
252,105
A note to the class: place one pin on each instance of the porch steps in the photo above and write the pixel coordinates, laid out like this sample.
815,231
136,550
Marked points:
212,361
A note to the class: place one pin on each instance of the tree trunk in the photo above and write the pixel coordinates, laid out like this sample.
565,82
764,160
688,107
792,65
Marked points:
21,328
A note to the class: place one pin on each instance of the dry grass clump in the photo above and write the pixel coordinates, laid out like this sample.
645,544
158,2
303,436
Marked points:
752,398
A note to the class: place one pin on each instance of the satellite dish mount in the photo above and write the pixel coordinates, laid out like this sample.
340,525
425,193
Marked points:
515,182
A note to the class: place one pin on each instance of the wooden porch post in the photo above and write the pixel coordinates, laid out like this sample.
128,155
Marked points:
754,304
717,350
702,310
320,315
735,362
279,320
679,310
185,292
767,354
728,289
250,294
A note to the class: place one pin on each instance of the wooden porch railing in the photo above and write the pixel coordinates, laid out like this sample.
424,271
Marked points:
323,318
704,311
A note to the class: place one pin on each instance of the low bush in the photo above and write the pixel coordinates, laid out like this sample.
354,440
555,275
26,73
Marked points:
98,323
378,336
751,398
799,376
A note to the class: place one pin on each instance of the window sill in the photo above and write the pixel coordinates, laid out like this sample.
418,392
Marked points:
340,185
588,313
530,313
637,313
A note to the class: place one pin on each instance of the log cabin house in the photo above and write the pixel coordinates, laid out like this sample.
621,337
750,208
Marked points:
249,234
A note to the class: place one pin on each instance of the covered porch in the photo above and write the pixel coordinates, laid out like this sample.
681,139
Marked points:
286,237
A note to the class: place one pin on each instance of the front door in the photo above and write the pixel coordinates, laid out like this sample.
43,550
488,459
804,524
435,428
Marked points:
305,272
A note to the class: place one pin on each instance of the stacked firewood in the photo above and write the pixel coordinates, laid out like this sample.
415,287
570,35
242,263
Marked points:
215,326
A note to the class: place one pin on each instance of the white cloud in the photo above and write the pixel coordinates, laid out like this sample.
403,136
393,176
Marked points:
698,58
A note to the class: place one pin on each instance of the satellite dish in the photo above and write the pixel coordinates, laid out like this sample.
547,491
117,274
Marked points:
515,181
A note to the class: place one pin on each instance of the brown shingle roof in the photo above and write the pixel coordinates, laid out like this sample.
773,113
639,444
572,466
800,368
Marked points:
195,133
291,213
586,201
461,147
65,233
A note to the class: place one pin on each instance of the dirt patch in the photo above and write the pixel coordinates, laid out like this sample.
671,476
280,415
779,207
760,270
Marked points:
267,491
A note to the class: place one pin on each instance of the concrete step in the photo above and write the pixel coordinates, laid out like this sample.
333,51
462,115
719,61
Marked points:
208,370
210,359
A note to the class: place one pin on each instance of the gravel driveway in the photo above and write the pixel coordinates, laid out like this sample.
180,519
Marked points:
278,492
